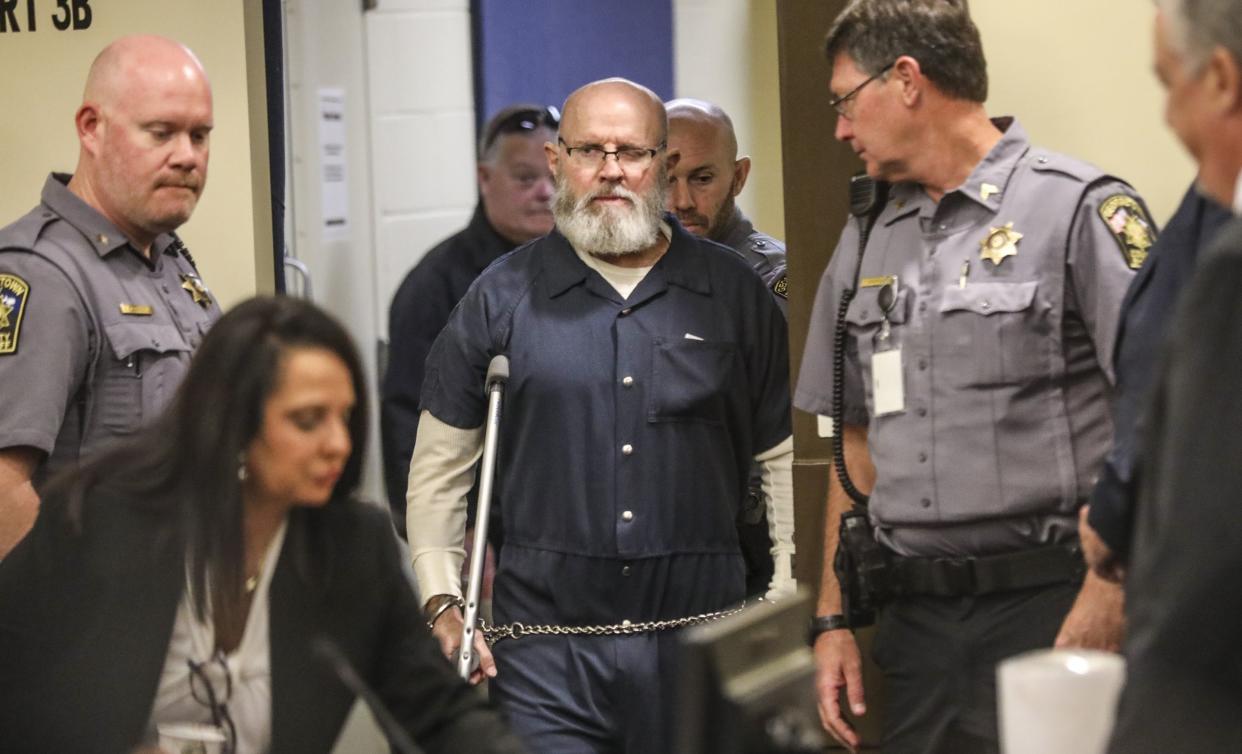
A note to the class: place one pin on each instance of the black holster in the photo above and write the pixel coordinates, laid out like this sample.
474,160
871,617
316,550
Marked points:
862,567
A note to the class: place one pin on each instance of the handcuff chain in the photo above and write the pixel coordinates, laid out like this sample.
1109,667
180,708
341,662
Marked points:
517,629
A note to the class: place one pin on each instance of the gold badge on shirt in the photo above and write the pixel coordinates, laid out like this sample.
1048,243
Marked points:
1129,223
197,290
1000,243
14,293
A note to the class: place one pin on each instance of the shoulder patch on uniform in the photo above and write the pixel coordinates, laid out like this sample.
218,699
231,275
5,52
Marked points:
781,287
1129,223
14,293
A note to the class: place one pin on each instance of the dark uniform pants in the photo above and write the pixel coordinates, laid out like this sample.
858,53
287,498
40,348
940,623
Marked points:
588,694
939,657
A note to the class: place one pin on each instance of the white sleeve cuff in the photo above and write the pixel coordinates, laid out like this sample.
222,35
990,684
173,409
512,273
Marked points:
441,473
776,467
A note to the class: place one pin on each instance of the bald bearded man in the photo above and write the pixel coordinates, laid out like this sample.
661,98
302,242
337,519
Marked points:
100,303
647,369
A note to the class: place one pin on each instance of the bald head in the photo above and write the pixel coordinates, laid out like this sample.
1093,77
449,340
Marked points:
134,60
699,119
616,102
708,173
143,129
611,169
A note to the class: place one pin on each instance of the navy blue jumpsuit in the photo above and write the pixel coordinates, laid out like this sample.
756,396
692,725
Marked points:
626,443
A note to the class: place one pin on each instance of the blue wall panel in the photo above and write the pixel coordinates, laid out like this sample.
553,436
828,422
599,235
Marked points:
541,50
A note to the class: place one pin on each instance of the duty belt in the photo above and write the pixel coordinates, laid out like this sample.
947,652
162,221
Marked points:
516,630
956,577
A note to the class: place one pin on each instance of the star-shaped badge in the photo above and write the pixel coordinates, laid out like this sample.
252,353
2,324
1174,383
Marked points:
197,290
1000,243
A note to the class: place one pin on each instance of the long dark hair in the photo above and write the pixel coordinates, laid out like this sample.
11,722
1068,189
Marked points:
186,463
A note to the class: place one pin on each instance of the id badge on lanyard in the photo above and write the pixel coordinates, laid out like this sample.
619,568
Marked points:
887,377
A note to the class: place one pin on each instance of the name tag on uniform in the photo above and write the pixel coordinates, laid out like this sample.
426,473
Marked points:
137,310
887,382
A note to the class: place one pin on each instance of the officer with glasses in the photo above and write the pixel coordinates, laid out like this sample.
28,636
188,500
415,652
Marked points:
648,369
515,195
977,369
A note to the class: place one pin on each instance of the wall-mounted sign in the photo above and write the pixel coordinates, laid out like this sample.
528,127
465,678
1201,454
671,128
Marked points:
17,16
335,189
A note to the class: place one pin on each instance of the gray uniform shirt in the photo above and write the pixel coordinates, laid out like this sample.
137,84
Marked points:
1006,366
94,338
762,252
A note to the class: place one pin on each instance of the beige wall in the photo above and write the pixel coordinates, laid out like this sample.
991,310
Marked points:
42,87
724,51
1079,77
1077,74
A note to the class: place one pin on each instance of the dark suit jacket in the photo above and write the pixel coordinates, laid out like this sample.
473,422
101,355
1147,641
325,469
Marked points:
1184,589
1146,313
85,622
419,310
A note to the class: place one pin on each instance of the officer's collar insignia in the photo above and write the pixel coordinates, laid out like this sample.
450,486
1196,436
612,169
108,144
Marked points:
14,293
986,190
781,287
137,310
196,289
1000,243
1129,223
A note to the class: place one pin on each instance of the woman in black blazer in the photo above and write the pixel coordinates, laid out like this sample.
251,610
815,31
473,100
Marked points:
239,497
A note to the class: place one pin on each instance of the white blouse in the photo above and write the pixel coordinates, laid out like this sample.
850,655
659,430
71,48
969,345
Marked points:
248,666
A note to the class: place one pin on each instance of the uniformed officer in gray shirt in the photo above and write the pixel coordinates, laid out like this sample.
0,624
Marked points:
977,371
702,188
100,303
703,185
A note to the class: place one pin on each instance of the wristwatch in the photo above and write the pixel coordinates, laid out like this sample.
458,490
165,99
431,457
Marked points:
824,623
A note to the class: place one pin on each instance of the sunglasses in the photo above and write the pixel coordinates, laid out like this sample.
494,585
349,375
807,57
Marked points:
521,121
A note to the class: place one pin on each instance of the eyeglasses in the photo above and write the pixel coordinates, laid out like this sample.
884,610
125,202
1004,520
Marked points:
593,156
205,694
520,121
842,104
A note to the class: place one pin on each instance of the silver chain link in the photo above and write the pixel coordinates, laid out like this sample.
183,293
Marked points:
517,630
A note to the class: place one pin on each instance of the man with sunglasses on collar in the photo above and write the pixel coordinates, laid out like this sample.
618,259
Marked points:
977,371
515,206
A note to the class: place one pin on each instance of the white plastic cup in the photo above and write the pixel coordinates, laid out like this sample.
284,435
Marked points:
191,738
1058,700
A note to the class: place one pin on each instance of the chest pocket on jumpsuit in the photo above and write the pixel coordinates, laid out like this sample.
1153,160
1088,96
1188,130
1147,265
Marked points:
865,318
690,379
993,333
134,378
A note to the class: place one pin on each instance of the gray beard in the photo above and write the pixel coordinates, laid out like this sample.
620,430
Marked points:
605,231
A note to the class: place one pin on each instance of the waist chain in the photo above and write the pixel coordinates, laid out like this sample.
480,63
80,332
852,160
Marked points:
516,629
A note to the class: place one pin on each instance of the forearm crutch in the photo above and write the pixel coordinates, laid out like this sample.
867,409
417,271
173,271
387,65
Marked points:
494,388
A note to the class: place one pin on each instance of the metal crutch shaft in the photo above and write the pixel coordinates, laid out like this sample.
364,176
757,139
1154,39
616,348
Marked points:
494,387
